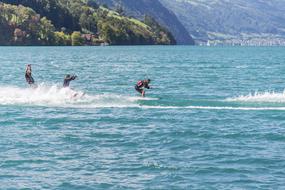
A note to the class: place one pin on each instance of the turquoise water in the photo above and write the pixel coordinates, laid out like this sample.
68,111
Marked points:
215,118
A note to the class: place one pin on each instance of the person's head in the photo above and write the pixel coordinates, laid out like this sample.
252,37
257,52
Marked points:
67,76
28,68
148,80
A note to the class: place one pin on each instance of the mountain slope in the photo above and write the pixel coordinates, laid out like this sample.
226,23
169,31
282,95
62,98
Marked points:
222,19
76,22
20,25
139,8
50,9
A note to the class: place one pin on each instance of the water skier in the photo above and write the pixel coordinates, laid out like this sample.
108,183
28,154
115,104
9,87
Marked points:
141,85
28,75
68,79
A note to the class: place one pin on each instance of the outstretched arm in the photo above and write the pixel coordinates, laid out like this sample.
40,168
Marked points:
73,77
147,86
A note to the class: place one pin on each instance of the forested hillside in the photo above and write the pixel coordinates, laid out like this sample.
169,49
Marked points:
74,22
154,8
21,25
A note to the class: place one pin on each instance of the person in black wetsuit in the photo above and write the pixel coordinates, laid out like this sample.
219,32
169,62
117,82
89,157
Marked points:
141,85
68,79
30,80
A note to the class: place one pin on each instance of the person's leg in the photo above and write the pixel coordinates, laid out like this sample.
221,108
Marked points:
143,93
139,90
32,80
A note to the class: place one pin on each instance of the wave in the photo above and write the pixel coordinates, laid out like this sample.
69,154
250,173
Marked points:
217,108
265,97
57,96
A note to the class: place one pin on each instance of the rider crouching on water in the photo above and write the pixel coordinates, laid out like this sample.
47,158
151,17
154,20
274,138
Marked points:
30,80
68,79
141,85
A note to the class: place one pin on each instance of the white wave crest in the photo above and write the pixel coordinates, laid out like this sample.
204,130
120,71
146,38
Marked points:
265,97
217,108
45,95
54,96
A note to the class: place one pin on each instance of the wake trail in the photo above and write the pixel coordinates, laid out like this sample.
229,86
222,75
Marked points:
55,96
217,108
257,97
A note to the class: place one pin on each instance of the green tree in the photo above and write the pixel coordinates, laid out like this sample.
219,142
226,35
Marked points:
46,31
76,39
61,39
68,16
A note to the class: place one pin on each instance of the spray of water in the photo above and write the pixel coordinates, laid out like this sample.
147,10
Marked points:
265,97
56,96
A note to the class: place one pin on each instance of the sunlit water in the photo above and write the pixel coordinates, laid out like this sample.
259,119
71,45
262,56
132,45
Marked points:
215,118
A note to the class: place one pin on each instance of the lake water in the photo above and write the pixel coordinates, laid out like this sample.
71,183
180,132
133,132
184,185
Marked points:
215,118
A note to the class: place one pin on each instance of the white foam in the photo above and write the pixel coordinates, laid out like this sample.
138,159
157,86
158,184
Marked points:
56,96
266,97
217,108
43,95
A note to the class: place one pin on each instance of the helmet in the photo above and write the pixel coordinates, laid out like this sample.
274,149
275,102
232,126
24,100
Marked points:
148,80
67,76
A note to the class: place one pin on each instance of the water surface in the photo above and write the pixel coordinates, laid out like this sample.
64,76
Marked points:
213,120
